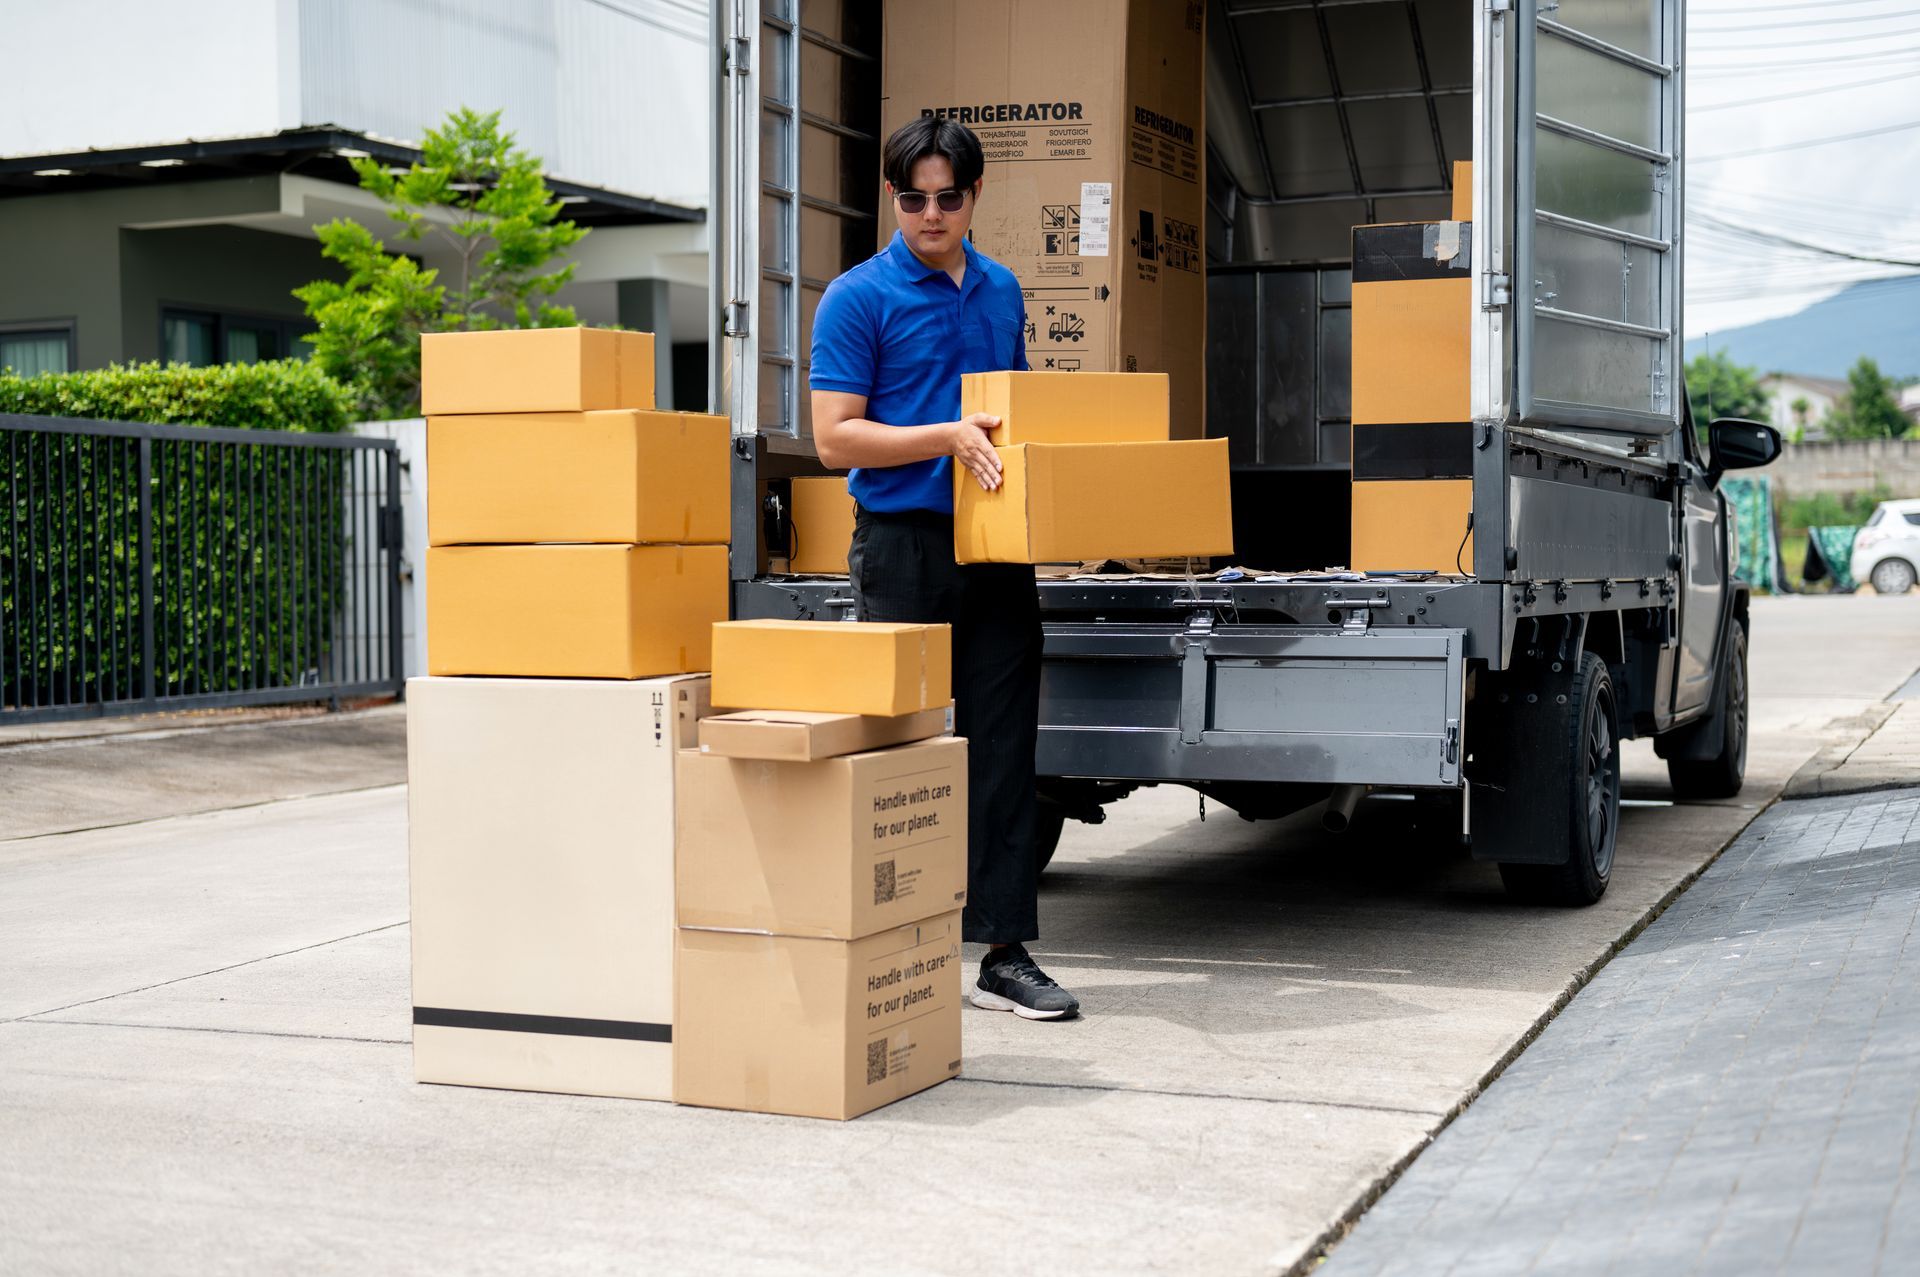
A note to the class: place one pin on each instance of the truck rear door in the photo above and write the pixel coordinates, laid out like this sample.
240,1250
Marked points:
796,114
1596,186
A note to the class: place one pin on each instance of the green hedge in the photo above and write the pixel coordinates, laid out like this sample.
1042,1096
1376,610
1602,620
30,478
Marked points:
284,394
250,541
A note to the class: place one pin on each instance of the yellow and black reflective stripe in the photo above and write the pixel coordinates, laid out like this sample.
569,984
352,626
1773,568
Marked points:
1410,251
1416,450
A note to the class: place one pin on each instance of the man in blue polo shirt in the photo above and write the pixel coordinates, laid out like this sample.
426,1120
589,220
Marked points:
890,341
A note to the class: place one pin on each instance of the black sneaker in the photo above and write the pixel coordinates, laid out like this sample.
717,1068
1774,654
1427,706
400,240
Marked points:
1010,980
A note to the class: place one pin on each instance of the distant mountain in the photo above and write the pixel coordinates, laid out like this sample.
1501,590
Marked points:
1880,317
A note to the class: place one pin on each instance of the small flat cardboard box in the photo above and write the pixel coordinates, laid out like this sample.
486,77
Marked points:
838,848
621,475
816,1028
535,370
822,516
574,611
1069,407
540,846
832,667
796,736
1073,502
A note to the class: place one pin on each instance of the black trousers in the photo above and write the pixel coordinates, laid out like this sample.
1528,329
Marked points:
903,570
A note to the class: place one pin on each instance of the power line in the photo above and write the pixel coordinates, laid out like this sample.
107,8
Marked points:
1803,42
1803,93
1803,22
1770,237
1805,142
1887,57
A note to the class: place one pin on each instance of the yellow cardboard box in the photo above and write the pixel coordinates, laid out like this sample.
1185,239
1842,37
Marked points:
1462,205
1412,525
1412,322
816,1028
617,475
791,735
1069,407
832,667
822,526
540,850
573,611
535,370
842,847
1076,502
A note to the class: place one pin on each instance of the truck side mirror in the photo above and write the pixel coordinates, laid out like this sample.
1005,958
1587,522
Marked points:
1737,444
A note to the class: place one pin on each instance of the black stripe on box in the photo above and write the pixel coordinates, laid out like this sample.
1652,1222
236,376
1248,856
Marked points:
563,1025
1409,250
1420,450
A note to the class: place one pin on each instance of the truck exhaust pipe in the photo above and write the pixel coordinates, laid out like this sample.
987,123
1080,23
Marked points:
1340,805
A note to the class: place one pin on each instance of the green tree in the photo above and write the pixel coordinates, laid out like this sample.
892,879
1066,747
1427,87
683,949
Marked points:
479,193
1869,409
1718,387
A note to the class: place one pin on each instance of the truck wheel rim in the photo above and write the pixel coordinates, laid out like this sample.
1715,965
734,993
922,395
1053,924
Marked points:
1603,764
1737,710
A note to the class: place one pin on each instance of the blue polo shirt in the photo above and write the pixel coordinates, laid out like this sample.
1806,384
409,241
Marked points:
901,332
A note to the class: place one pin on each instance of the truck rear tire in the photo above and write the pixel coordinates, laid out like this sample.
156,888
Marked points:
1050,819
1722,775
1579,793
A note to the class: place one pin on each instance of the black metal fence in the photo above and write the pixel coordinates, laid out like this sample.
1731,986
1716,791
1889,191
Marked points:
147,567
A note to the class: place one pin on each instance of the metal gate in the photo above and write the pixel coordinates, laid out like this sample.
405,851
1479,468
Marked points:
148,567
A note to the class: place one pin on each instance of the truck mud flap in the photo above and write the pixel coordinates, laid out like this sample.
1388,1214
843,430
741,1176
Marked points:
1288,704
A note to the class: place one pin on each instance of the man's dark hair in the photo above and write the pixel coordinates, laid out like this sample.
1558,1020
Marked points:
926,137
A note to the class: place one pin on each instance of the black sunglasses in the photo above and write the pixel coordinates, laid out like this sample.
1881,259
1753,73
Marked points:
916,201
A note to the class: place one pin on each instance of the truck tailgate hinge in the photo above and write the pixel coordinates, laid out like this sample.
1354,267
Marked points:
1499,291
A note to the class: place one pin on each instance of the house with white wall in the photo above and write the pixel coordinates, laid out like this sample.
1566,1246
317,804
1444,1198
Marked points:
1786,390
158,194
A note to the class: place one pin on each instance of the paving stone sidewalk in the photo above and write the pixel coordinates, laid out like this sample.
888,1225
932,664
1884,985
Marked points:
1736,1092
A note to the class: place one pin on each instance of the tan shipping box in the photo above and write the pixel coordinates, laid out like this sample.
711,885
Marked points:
1412,447
1090,114
540,845
623,475
816,1028
832,667
798,736
1062,503
840,848
574,611
822,515
1054,407
535,370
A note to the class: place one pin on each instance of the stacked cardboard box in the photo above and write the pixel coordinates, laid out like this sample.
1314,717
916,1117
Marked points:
822,865
577,541
821,511
572,529
1089,472
1412,421
1090,115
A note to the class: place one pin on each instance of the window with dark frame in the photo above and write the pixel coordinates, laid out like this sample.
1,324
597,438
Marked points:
29,349
203,337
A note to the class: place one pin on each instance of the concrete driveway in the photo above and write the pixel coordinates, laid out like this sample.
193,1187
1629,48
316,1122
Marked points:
204,1023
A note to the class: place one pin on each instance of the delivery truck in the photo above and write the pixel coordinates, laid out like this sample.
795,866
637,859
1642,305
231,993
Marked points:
1476,607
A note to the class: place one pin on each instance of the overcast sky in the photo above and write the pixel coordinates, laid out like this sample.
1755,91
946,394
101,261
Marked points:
1762,77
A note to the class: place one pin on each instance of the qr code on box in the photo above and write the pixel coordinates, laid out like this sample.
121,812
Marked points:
883,883
876,1061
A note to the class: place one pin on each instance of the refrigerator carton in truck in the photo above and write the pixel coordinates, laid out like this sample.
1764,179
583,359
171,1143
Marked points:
1545,568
